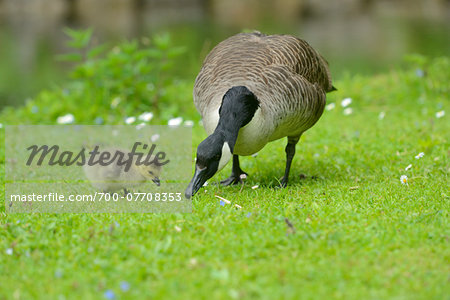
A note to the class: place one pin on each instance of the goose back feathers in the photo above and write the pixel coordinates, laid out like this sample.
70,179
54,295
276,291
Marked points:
287,76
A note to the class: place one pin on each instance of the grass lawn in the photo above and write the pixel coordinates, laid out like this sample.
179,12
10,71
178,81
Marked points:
357,232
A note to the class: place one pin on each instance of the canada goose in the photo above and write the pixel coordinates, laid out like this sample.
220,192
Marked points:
253,89
114,176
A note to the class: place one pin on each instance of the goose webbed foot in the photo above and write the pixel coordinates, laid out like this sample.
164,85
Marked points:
284,182
233,179
236,173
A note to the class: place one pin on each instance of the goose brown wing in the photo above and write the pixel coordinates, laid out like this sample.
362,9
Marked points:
244,57
300,58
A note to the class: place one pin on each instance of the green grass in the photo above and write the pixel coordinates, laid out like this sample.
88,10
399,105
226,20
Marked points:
358,232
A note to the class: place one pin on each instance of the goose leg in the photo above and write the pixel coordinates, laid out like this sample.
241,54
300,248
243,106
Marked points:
236,173
290,152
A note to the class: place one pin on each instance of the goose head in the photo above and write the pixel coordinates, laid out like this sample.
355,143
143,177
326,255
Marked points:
150,172
237,109
212,155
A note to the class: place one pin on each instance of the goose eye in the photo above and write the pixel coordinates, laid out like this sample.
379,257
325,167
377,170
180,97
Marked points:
150,172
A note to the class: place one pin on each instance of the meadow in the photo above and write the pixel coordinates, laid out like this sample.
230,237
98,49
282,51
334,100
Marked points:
365,215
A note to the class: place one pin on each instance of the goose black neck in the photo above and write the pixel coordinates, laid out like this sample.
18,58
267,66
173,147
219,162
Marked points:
238,107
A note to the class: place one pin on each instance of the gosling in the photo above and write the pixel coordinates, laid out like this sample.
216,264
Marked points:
113,177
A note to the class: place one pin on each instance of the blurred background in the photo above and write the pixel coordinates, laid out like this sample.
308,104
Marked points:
356,36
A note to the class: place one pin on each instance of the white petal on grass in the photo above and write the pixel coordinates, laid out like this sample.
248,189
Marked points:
408,167
255,154
348,111
238,206
381,115
1,125
206,183
420,155
255,187
9,251
150,87
330,106
242,176
193,262
346,102
175,121
66,119
140,126
154,137
115,102
440,114
130,120
177,228
404,179
223,199
146,117
189,123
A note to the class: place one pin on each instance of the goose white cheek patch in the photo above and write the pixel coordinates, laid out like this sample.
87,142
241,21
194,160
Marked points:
226,156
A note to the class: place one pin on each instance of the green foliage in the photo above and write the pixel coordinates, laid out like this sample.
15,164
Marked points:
113,83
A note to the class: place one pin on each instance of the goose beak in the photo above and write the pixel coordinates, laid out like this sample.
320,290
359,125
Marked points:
156,181
200,176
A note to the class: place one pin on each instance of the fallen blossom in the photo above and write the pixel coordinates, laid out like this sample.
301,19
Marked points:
255,187
66,119
193,262
243,176
404,179
99,120
140,126
381,115
9,251
440,114
177,229
330,106
109,294
408,167
348,111
420,73
115,102
346,102
175,121
189,123
130,120
146,117
154,137
223,199
238,206
124,286
420,155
